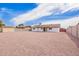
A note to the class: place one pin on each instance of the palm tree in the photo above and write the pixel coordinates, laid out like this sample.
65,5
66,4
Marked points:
1,26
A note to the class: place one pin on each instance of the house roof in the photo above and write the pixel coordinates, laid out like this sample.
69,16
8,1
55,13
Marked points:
48,26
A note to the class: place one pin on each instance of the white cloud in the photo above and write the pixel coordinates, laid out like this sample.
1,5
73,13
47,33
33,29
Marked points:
42,10
70,6
7,10
65,23
3,9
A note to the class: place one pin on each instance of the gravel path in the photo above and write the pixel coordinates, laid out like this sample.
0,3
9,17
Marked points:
37,44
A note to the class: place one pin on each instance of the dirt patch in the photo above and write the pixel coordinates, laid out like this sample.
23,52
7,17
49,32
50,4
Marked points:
37,44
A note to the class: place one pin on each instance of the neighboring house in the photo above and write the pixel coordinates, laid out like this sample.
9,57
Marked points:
47,28
23,28
8,29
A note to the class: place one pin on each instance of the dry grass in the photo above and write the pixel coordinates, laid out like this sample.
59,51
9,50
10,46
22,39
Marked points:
36,43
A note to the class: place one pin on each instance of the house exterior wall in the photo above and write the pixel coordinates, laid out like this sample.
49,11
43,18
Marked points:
28,29
23,28
48,30
37,29
8,29
53,30
19,30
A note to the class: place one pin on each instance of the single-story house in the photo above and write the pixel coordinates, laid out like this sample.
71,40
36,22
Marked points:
47,28
23,28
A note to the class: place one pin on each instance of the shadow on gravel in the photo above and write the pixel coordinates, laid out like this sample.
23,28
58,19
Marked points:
74,39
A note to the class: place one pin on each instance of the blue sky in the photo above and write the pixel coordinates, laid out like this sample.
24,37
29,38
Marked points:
35,13
11,10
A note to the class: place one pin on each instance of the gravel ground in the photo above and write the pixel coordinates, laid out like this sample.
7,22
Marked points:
37,44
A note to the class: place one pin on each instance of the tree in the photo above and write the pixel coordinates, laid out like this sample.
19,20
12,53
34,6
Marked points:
1,26
20,26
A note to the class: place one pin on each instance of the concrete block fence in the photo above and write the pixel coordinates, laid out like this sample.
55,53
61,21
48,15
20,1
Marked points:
73,31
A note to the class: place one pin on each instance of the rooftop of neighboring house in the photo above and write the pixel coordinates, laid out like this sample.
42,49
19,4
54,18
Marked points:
47,26
23,26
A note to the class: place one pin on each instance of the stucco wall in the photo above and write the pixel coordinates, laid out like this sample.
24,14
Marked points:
8,29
